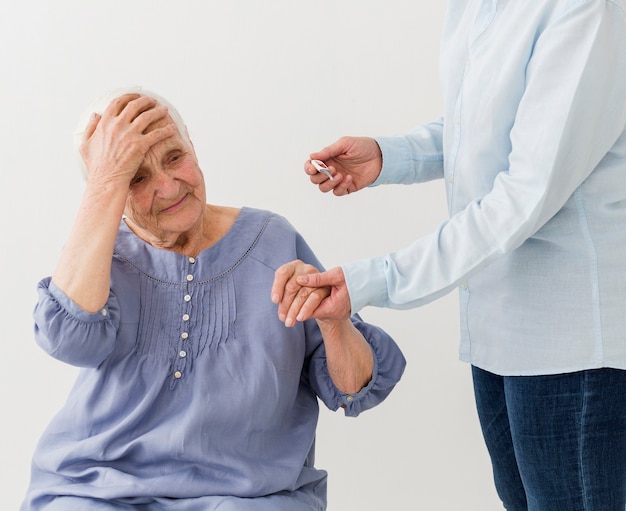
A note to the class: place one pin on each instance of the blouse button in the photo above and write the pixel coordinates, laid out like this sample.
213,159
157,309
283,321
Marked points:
103,312
192,260
187,298
349,399
182,354
189,278
185,317
184,335
178,375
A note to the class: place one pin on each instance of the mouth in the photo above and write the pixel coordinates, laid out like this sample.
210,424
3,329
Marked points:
174,207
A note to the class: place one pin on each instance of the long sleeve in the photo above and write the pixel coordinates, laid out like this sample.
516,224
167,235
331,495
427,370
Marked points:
567,122
389,364
415,157
70,334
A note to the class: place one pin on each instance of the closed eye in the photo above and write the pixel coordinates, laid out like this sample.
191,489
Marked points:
137,179
173,157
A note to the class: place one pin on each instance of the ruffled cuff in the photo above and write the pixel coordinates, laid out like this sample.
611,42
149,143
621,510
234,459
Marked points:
70,334
389,364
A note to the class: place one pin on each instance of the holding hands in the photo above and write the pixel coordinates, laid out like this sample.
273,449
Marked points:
300,290
302,293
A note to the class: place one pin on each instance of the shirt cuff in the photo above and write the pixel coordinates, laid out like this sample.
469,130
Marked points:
66,303
395,158
366,283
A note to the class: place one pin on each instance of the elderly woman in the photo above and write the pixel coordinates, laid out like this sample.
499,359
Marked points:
192,395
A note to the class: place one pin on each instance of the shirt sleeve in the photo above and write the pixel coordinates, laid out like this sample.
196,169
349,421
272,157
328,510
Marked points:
571,113
389,364
414,157
69,333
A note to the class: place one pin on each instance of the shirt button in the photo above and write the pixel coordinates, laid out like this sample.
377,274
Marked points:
103,312
184,335
189,278
192,260
187,298
463,285
349,399
178,375
450,178
185,317
182,354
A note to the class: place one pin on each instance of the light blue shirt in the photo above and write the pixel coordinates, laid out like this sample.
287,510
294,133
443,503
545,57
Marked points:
532,147
192,395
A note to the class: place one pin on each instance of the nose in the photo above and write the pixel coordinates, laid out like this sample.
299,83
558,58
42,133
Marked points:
167,187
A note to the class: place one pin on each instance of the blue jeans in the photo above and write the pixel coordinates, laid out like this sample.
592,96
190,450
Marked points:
557,442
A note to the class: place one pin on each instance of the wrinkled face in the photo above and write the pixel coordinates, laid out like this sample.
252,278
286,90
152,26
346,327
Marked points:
167,196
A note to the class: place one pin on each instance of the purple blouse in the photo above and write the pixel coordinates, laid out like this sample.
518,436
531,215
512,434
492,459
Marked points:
193,395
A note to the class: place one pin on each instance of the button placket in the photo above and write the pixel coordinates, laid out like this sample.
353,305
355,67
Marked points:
182,353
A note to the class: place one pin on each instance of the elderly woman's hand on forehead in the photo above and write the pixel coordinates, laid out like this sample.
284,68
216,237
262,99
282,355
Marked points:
116,142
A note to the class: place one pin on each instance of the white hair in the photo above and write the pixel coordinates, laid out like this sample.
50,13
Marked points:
101,104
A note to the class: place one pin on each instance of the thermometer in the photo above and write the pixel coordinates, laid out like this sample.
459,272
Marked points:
320,166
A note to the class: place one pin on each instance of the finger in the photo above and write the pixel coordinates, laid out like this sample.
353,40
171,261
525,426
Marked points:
281,275
305,302
313,301
117,106
310,169
291,313
331,151
344,186
136,107
327,185
332,277
91,126
157,135
317,175
146,120
284,288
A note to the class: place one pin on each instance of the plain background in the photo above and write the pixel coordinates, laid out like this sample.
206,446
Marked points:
260,85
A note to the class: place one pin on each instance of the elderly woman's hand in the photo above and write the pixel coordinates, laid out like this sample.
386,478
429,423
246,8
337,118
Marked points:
302,293
292,298
114,146
116,142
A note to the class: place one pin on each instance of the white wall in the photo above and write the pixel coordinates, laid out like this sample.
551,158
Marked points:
261,84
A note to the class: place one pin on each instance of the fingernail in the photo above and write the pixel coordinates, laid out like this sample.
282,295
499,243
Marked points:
275,298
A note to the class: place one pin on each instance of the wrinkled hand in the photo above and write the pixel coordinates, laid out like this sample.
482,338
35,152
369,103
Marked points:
115,143
302,293
354,162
